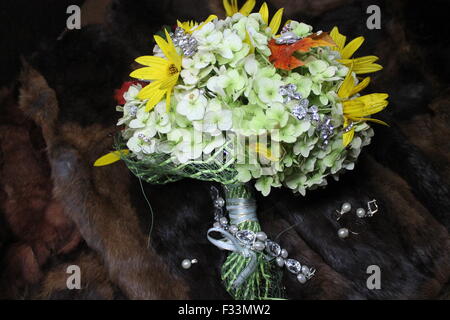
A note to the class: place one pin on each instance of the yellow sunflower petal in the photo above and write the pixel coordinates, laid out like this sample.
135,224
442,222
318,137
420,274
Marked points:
361,86
351,106
347,137
367,68
163,45
338,38
373,98
230,8
151,61
208,20
147,91
155,99
169,82
110,158
371,104
247,7
351,47
360,60
276,21
149,73
346,86
171,52
183,25
264,12
249,42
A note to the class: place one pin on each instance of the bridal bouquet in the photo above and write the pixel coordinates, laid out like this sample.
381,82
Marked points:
247,100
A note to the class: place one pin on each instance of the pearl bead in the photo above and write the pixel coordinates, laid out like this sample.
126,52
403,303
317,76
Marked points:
301,278
259,246
343,233
346,207
361,213
233,229
223,220
261,236
280,261
284,253
305,270
186,264
216,225
219,202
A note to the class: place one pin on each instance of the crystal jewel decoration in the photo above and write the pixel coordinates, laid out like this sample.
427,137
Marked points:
326,130
299,112
246,236
273,248
287,37
185,41
289,92
293,266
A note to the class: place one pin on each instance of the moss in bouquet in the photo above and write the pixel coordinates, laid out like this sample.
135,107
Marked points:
265,281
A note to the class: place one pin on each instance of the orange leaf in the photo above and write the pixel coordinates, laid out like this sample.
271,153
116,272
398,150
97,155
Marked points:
282,54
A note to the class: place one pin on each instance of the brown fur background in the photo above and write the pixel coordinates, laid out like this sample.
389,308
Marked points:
57,210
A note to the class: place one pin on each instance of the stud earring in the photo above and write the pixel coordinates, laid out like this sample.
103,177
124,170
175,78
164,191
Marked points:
346,207
186,263
372,208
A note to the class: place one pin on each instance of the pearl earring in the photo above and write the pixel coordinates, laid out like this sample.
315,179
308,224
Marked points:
186,263
346,207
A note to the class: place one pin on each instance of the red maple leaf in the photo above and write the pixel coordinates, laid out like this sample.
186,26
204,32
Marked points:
283,54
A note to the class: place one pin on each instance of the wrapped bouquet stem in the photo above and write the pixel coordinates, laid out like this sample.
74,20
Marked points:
248,273
247,100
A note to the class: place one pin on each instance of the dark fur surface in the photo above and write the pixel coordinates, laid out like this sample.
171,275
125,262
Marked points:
68,91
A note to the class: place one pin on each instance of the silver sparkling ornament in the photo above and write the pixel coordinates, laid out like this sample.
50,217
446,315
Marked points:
326,130
349,127
299,112
186,42
293,266
273,248
287,37
246,236
284,253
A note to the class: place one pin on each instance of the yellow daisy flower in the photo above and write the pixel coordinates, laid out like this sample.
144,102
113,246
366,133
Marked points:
231,7
359,108
191,26
163,73
360,65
